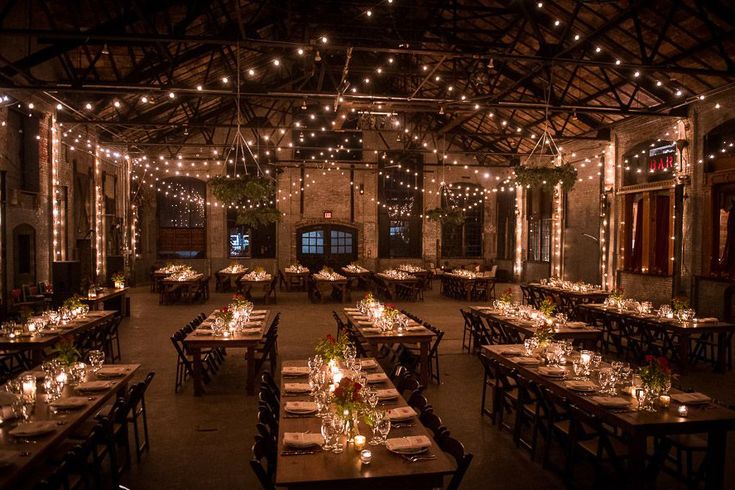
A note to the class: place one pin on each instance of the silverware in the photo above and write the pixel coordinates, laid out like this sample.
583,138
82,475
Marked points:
401,426
418,457
306,416
299,452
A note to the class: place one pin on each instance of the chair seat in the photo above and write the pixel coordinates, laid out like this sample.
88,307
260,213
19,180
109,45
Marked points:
591,446
563,426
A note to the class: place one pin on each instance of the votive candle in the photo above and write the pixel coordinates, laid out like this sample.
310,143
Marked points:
664,401
683,411
366,456
359,442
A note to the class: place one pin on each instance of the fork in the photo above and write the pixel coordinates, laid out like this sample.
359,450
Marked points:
418,457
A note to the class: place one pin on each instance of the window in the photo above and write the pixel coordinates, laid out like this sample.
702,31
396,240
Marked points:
245,242
506,224
182,218
538,204
312,242
340,242
647,243
401,204
464,240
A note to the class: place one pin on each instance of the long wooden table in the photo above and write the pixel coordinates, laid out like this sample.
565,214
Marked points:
29,454
463,287
568,299
37,344
295,281
392,283
188,288
359,278
226,280
637,427
585,335
194,343
421,336
673,335
247,287
327,286
107,296
326,471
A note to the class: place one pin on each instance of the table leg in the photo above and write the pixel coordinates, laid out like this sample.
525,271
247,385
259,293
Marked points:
250,385
425,363
684,347
637,462
197,374
721,352
123,305
716,448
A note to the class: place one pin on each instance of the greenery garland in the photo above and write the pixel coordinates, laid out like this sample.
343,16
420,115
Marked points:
247,191
565,174
446,216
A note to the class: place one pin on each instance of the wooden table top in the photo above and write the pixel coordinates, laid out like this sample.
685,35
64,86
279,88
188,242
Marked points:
668,323
342,280
197,278
106,294
410,279
526,326
323,470
363,272
597,293
239,339
700,418
255,281
355,317
92,319
25,455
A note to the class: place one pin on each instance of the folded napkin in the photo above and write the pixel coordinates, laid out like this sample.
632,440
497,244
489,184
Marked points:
575,325
370,330
300,407
203,331
69,403
611,401
258,312
365,323
376,378
38,373
408,444
368,363
400,413
250,331
415,328
32,429
691,398
111,372
295,370
577,385
552,371
7,412
297,387
361,317
94,386
387,394
709,319
351,309
527,361
512,350
251,324
302,439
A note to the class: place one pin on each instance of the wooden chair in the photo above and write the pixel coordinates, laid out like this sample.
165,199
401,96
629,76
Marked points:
463,459
138,414
268,351
261,464
340,323
489,381
467,333
184,362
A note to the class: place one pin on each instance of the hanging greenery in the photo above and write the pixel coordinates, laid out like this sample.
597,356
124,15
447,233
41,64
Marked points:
257,217
565,174
247,191
446,216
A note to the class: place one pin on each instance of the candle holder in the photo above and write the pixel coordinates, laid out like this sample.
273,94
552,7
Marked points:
664,401
682,411
366,456
359,442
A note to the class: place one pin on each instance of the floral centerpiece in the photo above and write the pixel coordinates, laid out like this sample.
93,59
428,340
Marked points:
73,302
547,307
616,297
348,402
223,316
332,349
506,296
544,334
656,378
296,268
240,302
118,279
66,353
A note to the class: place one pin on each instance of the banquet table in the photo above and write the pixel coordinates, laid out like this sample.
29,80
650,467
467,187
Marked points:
29,452
295,281
568,299
669,334
326,471
248,287
187,289
341,287
360,279
416,335
392,283
227,280
196,341
637,427
38,343
107,296
463,287
580,334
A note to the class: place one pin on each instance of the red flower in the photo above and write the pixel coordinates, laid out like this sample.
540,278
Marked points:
330,338
358,387
650,358
356,396
664,364
339,392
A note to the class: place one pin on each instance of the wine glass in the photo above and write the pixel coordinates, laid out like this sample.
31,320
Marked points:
96,359
338,425
383,427
328,433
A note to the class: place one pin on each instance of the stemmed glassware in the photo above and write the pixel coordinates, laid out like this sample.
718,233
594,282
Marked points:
96,359
328,432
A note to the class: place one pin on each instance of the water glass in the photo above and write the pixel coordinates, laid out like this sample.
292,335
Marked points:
328,433
96,359
338,426
383,428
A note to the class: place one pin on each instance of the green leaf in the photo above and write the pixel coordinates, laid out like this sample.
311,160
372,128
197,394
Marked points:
565,174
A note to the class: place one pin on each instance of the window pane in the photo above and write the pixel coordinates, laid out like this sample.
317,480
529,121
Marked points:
312,242
401,204
341,242
239,242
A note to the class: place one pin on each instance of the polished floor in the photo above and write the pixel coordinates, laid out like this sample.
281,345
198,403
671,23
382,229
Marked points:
204,443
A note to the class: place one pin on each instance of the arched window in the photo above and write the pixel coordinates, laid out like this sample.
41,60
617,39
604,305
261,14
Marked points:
24,254
401,202
331,245
463,240
247,242
182,218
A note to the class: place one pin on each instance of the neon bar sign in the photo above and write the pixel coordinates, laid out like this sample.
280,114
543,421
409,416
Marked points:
662,157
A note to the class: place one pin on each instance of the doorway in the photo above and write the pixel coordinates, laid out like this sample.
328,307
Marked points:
326,245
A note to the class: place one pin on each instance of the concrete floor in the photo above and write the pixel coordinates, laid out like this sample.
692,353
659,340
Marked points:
204,443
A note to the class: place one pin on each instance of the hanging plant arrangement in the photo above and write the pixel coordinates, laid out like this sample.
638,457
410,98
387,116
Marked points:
446,216
247,191
534,177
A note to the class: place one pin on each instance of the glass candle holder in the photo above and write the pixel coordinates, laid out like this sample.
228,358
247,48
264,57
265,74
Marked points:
359,442
366,456
683,411
664,401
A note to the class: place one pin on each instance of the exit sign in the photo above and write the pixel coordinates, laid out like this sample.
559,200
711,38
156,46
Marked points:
327,215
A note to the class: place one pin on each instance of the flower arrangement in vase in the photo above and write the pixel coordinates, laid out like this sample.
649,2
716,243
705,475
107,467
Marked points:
240,302
118,280
348,403
547,307
506,296
655,377
332,349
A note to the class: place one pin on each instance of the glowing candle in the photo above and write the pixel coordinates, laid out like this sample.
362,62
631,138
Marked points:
683,411
359,442
664,400
366,456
